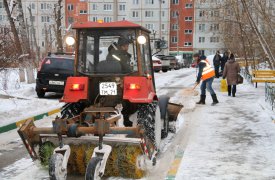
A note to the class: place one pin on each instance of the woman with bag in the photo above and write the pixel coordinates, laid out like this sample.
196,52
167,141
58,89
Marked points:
231,72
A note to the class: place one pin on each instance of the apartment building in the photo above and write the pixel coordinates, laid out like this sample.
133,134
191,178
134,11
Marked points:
207,35
182,28
76,11
43,20
152,14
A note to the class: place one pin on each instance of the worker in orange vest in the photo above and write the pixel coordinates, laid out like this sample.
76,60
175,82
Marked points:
206,75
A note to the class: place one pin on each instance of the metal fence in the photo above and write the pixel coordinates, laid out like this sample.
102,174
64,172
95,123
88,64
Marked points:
246,74
270,94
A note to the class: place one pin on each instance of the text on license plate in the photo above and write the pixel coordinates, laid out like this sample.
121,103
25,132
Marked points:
108,88
56,82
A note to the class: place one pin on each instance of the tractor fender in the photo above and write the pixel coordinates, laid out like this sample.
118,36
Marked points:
163,104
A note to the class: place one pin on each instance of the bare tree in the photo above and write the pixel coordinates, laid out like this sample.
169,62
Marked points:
58,34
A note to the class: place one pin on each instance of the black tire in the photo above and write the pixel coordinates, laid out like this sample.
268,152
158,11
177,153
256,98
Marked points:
156,70
164,70
94,163
70,110
163,103
55,167
40,94
146,118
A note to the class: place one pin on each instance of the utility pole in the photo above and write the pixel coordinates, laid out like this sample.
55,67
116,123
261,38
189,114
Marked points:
115,10
160,2
177,33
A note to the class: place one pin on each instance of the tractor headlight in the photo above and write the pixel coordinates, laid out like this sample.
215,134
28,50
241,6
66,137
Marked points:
141,39
70,40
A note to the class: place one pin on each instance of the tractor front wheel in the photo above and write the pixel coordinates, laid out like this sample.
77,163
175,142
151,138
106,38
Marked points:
56,171
92,170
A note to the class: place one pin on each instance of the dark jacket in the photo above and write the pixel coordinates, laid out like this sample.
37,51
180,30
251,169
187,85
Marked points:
200,66
123,57
231,70
217,60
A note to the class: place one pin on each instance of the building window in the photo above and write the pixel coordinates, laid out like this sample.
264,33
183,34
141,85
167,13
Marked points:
163,13
107,7
107,19
70,7
83,12
135,14
187,44
1,4
135,1
122,7
174,26
149,1
202,27
45,19
32,19
215,13
188,6
175,1
46,6
149,26
202,13
189,18
94,7
31,5
149,13
214,27
201,39
188,31
214,39
175,14
162,26
174,39
94,19
70,20
43,43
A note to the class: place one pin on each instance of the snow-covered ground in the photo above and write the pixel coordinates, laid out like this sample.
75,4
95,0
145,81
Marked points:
233,140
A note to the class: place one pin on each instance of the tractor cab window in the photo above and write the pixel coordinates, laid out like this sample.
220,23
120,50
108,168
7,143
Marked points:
105,52
145,56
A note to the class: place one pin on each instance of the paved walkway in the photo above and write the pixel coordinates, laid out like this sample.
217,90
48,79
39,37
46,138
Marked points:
233,140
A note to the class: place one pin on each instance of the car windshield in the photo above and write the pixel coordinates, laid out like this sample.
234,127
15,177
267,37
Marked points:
57,65
103,52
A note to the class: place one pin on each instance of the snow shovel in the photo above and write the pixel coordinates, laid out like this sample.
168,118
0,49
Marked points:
190,91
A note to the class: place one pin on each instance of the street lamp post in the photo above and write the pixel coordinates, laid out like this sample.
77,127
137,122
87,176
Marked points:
177,33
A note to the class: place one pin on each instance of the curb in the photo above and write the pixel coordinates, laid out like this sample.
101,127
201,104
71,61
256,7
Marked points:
14,125
171,175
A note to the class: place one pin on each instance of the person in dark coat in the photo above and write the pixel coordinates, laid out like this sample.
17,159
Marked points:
121,54
217,62
231,70
224,60
206,75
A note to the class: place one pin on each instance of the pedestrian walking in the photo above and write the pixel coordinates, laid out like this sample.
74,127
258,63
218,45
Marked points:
231,70
217,62
206,75
224,60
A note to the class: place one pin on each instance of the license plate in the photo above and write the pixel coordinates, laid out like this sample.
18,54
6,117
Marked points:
108,88
57,83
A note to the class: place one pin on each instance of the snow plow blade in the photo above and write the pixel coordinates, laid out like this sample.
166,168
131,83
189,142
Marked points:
173,110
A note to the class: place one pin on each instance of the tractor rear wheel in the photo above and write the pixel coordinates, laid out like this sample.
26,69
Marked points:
92,170
56,171
40,93
70,110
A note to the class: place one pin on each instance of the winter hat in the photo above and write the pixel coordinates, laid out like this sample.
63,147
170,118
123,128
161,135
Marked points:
232,56
203,57
196,55
122,41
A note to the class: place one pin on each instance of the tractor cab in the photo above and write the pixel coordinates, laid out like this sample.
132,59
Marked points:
120,48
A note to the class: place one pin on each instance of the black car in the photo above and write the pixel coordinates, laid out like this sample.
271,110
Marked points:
53,72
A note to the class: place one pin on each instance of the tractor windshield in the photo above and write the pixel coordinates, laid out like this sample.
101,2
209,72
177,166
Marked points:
105,52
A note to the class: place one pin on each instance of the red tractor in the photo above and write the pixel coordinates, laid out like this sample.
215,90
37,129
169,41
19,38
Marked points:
111,100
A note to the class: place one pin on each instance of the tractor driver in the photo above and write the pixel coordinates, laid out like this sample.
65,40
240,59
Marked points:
121,54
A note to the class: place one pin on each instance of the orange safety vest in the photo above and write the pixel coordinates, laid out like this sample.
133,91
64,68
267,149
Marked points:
208,71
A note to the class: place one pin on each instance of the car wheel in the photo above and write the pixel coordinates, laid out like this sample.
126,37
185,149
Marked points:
164,70
40,94
157,70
